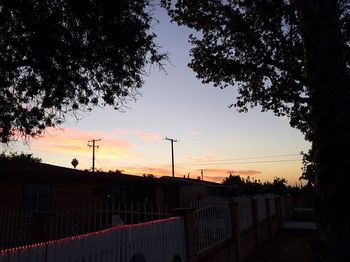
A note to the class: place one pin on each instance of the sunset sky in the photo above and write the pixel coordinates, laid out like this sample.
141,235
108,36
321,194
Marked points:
211,136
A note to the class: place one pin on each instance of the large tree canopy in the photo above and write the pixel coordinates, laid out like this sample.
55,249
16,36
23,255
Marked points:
291,57
256,46
61,56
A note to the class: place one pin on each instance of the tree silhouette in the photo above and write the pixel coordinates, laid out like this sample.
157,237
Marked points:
279,186
22,157
59,57
116,172
74,162
232,180
149,175
290,57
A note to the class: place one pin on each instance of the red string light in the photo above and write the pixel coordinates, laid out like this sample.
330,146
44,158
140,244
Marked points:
100,232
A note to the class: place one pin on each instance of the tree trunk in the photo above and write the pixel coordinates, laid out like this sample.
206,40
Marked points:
328,83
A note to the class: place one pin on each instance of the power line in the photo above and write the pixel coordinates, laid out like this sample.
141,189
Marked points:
93,141
226,163
236,163
172,153
217,162
241,158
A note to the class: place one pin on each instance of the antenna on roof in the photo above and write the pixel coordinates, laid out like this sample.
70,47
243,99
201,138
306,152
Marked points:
202,173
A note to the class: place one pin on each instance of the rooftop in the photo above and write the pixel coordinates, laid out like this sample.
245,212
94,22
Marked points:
34,172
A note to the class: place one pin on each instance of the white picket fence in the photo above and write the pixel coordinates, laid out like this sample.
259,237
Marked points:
261,206
272,202
157,241
245,214
245,209
286,207
69,222
212,222
16,225
161,240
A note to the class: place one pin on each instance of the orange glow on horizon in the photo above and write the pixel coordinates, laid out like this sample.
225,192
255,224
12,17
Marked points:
117,151
74,142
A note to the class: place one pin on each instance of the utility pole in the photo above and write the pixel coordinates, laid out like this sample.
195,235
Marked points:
93,141
202,173
172,153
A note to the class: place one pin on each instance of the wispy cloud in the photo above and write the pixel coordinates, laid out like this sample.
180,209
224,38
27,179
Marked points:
218,174
195,132
74,142
148,136
201,159
217,179
157,171
246,172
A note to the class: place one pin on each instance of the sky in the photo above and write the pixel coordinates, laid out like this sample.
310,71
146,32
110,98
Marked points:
211,136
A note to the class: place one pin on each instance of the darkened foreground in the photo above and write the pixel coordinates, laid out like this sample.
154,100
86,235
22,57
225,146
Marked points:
289,245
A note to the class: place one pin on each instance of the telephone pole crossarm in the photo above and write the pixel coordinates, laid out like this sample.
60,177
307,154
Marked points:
93,141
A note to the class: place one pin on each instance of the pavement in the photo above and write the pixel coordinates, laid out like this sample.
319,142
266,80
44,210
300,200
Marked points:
292,243
299,225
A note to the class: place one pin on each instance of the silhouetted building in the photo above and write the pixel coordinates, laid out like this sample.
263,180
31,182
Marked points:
46,188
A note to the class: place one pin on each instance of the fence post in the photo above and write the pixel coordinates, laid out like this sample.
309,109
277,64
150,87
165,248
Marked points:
235,230
289,207
190,232
256,224
279,211
268,215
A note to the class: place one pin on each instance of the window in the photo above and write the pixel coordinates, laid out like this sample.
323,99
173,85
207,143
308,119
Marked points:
36,197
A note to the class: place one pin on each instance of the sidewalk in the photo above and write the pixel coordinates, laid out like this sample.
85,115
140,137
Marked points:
299,225
289,245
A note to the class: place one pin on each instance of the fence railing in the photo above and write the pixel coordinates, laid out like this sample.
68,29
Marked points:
15,227
77,221
272,202
212,222
261,207
19,227
245,214
157,241
286,207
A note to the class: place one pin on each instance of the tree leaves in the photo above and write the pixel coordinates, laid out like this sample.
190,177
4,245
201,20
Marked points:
253,45
63,56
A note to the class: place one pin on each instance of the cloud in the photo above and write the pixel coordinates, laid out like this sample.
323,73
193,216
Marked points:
148,136
246,172
195,132
217,179
226,172
218,174
207,158
157,171
74,142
